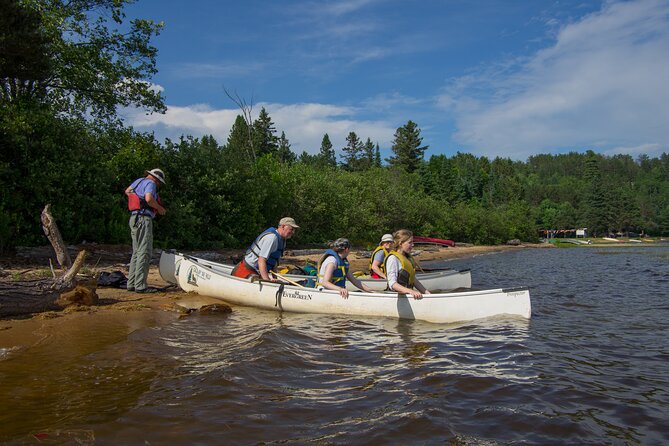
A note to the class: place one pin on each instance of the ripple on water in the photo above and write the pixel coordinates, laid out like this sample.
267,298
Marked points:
590,367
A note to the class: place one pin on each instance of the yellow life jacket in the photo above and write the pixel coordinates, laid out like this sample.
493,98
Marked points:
382,267
407,273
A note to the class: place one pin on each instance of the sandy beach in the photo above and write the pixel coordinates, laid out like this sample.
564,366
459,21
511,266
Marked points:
135,311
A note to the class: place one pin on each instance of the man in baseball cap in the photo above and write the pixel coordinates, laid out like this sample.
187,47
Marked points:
266,250
288,221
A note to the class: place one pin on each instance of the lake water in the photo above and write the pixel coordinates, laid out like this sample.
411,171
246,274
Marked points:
590,367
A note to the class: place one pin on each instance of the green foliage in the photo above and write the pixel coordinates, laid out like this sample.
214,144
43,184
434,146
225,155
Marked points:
407,150
477,224
335,203
662,227
61,60
554,215
43,159
327,153
239,149
283,152
79,56
24,48
309,159
264,138
197,194
352,153
367,158
218,197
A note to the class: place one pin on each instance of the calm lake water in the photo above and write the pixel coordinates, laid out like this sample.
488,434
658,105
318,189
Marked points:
590,367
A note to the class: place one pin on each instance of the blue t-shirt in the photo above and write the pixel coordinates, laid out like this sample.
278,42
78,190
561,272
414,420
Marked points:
143,186
380,256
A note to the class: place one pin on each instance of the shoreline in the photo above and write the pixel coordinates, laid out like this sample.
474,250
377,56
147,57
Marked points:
132,311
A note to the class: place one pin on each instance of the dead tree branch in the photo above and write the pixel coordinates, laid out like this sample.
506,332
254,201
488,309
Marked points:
53,234
247,109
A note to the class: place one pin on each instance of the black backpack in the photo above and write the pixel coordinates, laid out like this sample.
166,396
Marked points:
115,279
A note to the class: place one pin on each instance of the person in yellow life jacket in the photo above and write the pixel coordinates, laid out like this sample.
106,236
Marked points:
333,269
400,269
143,204
378,259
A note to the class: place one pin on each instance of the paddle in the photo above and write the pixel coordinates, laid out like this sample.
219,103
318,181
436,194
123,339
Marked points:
415,260
281,276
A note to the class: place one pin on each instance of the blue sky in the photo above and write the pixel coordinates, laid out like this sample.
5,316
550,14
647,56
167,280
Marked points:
509,78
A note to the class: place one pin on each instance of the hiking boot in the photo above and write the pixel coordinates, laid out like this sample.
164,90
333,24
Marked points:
131,288
148,290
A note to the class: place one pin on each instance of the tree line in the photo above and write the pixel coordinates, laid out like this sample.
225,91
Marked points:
65,67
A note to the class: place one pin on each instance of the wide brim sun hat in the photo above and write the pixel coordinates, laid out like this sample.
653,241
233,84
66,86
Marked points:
157,174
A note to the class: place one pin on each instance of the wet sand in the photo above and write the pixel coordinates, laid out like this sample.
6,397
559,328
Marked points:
135,311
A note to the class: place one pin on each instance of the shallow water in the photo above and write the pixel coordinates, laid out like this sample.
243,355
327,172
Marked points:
590,367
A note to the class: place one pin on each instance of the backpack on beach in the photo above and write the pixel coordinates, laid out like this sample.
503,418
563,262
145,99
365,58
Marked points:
115,279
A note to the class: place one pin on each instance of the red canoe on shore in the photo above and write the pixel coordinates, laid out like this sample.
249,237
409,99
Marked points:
435,241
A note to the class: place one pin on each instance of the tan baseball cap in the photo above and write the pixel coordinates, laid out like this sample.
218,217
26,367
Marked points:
288,221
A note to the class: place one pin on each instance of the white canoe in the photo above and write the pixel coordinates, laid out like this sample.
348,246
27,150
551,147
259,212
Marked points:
438,280
192,276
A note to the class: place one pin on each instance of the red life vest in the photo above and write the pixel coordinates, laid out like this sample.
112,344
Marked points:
137,203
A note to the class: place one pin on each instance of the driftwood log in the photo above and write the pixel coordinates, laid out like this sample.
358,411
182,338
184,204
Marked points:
35,296
53,234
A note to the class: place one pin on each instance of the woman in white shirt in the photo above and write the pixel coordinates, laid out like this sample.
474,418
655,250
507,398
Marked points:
400,269
333,269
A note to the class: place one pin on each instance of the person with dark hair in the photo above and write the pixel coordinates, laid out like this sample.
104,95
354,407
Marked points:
333,269
265,251
400,267
143,203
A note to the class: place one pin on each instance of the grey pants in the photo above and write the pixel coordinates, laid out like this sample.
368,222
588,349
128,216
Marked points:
141,230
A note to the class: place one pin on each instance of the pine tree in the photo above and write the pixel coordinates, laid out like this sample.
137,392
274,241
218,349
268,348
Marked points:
367,158
407,149
377,156
284,154
327,153
663,221
264,140
352,152
596,210
310,160
238,147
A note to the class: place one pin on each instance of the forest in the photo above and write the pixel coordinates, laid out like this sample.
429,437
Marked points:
67,67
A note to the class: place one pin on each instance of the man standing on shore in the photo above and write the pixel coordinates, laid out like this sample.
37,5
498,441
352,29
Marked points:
143,204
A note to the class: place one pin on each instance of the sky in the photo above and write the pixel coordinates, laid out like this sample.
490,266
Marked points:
507,78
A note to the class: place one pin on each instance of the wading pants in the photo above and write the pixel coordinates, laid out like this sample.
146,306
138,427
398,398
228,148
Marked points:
141,230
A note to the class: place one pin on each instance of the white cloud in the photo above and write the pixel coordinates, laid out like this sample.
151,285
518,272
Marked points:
304,124
603,84
196,120
342,7
390,101
635,151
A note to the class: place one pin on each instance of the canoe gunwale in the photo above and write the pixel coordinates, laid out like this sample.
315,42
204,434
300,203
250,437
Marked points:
447,279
